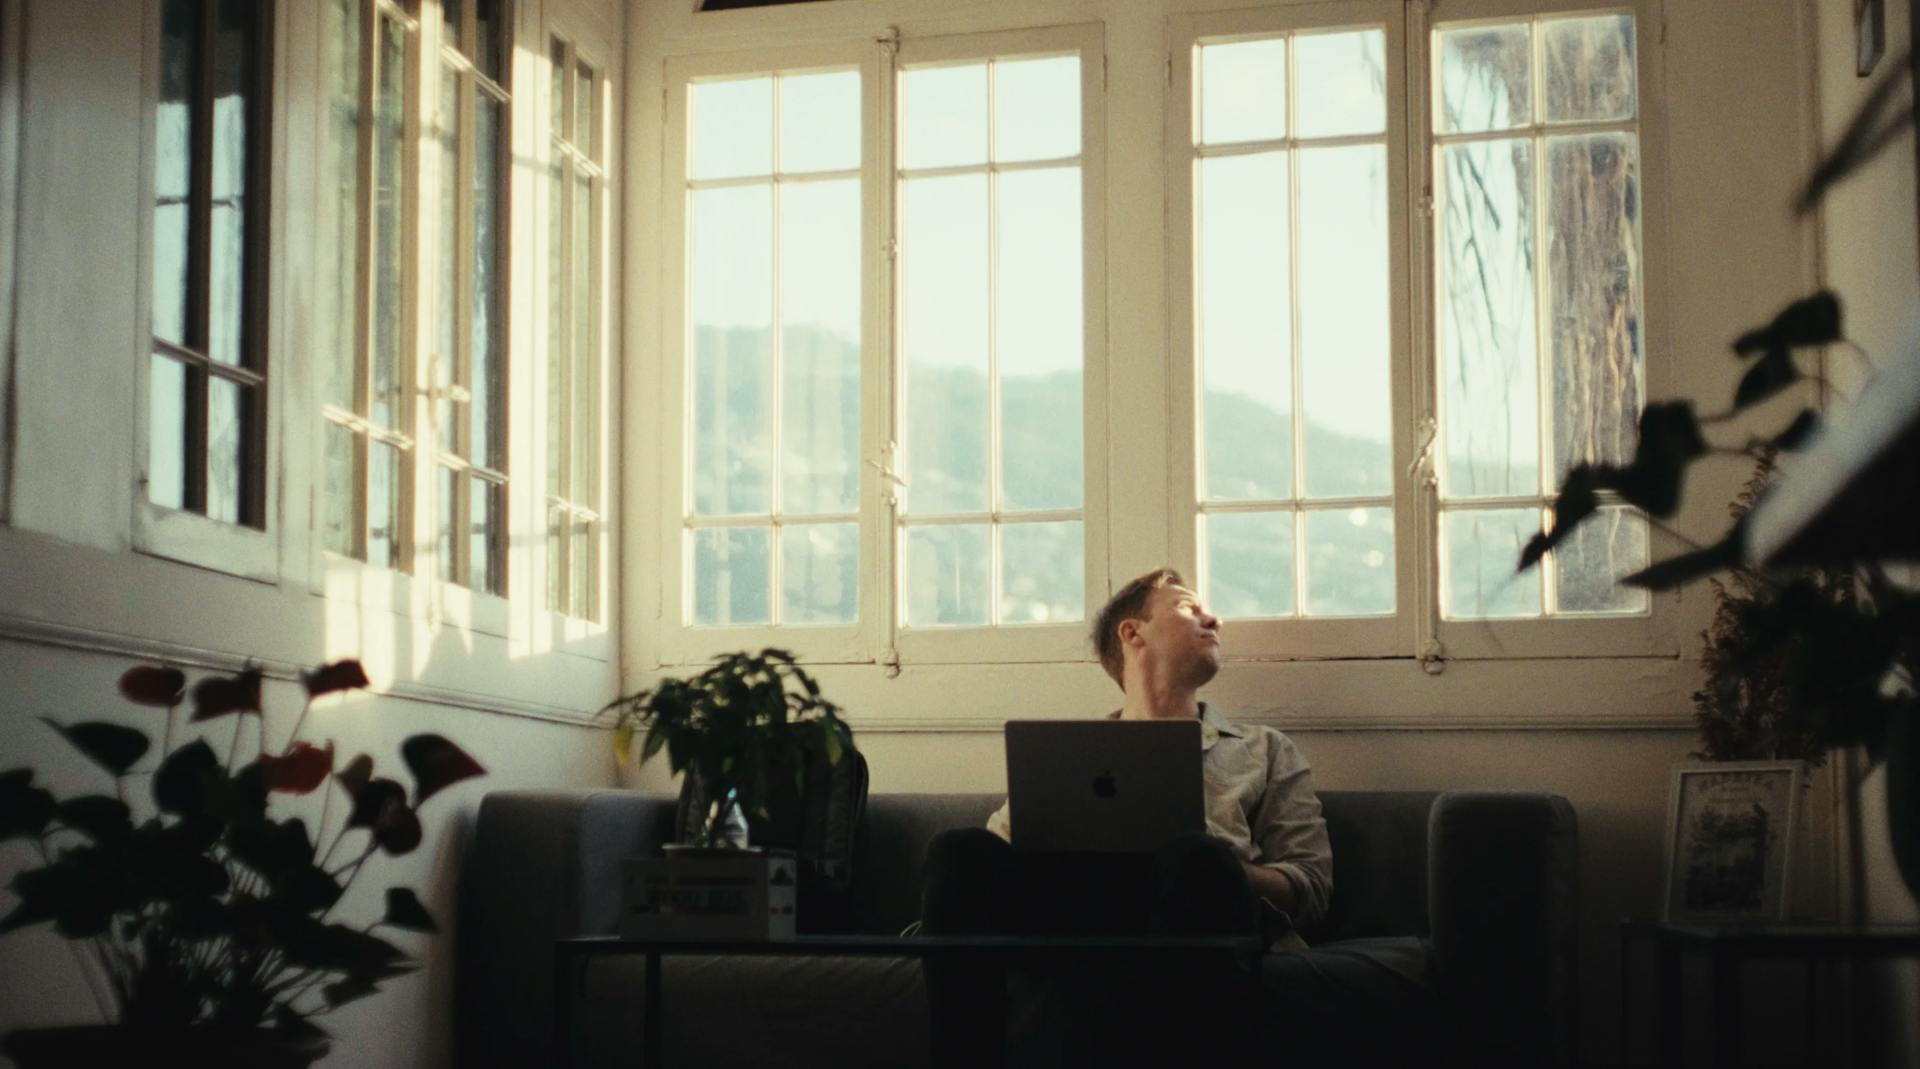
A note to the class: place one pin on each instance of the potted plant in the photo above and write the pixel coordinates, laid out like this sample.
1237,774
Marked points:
746,730
204,924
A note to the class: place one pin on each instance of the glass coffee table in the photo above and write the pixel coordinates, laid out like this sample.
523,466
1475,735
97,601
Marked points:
572,957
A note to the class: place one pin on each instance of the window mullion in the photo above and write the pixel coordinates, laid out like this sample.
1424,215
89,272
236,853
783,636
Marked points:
995,561
1295,358
200,274
777,402
465,264
365,237
1547,451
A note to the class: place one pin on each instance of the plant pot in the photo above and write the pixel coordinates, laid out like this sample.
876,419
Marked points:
85,1046
691,850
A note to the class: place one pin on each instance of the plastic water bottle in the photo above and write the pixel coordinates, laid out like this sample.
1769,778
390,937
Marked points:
733,826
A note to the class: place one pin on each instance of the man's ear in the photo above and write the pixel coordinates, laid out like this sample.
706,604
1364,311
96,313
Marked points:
1129,630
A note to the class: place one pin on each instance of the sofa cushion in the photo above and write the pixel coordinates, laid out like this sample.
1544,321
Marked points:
1379,842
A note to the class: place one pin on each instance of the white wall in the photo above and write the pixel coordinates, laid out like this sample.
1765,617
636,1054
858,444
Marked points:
78,603
1605,733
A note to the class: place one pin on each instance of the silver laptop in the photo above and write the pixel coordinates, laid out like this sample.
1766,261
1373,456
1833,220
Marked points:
1107,786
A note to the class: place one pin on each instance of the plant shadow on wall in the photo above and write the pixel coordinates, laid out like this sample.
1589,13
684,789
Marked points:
206,930
1815,644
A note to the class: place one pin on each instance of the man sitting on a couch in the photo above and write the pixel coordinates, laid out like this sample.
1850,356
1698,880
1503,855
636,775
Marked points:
1263,866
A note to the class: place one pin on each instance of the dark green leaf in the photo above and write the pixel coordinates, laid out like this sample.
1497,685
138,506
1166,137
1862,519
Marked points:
1576,502
198,918
398,831
1903,791
1811,320
1674,571
436,763
271,849
355,776
186,781
1769,375
1798,431
40,892
292,1025
24,808
146,684
99,817
341,992
404,910
308,888
217,696
1868,133
373,800
110,746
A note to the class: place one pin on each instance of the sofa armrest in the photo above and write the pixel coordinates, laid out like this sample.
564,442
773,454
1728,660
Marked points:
542,866
1503,887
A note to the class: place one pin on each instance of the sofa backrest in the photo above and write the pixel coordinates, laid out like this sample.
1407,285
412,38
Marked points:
1379,843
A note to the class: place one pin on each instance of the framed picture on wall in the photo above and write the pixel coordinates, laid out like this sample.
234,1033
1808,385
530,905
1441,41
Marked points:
1730,830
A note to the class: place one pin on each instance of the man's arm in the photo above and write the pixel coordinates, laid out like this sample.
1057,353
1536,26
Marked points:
1274,886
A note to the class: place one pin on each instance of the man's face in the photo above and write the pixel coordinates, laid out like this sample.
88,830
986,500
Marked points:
1181,636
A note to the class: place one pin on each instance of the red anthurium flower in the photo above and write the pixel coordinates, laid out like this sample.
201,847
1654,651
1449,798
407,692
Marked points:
146,684
300,771
340,675
218,696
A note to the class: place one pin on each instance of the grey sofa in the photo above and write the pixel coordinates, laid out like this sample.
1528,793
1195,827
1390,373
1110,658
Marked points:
1450,940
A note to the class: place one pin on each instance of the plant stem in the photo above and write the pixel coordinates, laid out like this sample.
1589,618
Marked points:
326,801
291,739
166,740
233,750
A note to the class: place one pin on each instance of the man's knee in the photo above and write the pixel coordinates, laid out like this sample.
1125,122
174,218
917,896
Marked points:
963,882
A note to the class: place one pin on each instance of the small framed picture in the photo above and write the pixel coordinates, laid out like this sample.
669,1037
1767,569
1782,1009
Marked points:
1869,35
1730,828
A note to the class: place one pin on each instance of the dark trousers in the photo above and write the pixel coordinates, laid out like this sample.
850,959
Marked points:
975,884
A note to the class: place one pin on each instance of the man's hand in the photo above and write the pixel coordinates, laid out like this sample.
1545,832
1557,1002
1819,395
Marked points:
1274,886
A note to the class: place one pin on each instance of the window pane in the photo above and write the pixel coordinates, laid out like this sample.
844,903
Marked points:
338,521
820,347
1036,109
1249,565
730,575
489,371
451,11
1039,331
559,326
1245,336
945,112
383,505
336,314
558,84
585,538
556,562
1486,79
1593,229
1480,548
389,223
819,573
488,27
586,347
586,112
1488,350
173,170
486,528
1243,91
1345,341
1610,544
1343,79
732,128
947,580
446,546
820,122
447,259
1043,572
1350,562
944,334
226,449
167,433
732,296
227,247
1590,73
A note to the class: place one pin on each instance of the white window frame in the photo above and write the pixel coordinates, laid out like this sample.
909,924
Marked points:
174,534
1013,643
591,638
12,28
878,635
1655,632
684,643
390,589
1301,637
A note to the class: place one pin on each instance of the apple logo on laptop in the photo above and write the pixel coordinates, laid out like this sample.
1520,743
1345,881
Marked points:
1103,785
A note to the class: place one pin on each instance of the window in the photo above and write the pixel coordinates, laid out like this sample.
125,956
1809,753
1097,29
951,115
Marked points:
207,372
888,285
576,344
366,223
1537,305
1366,463
773,208
469,370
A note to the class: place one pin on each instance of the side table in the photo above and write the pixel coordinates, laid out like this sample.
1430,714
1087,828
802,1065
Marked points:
1727,947
571,957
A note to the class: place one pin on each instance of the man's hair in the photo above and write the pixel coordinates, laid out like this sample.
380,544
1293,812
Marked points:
1129,604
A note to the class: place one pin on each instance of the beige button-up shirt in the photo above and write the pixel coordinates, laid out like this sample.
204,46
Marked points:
1260,801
